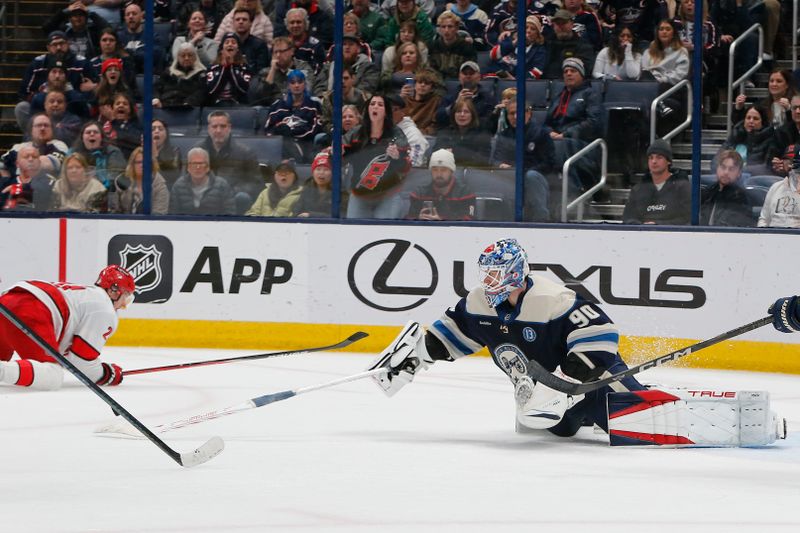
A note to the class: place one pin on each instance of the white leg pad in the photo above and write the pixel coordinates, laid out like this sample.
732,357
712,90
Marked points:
693,418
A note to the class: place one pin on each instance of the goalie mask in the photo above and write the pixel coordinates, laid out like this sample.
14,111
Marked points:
503,268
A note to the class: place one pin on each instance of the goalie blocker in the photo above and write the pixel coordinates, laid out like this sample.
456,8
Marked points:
693,418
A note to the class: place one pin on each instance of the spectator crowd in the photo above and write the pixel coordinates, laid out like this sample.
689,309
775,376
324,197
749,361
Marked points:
428,88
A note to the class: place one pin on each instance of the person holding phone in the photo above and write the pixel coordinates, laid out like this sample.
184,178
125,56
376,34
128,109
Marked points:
445,197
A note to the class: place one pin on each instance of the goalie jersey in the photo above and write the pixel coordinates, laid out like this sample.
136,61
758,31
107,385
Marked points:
548,323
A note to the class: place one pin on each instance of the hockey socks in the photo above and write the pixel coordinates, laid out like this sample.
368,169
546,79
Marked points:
33,374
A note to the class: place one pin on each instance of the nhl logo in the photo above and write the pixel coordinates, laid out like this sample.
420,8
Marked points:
144,264
149,260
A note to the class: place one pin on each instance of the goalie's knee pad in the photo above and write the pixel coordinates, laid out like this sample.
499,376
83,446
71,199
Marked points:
693,418
539,406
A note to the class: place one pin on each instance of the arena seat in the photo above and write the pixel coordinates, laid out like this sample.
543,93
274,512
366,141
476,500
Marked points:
163,31
185,120
765,181
558,85
185,142
638,94
243,119
268,149
756,194
494,190
537,92
483,60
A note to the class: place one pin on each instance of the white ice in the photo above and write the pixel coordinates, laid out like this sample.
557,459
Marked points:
441,455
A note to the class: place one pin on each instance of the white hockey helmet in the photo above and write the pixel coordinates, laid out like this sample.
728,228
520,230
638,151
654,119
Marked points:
503,268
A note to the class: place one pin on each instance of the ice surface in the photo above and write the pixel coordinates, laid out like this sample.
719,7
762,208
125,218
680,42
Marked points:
441,455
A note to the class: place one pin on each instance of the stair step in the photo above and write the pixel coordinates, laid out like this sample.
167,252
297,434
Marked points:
686,164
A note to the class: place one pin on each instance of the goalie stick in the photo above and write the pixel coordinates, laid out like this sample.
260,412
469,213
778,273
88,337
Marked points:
357,336
188,459
121,428
540,374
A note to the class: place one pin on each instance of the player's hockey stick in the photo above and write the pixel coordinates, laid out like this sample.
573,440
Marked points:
121,428
188,459
538,373
357,336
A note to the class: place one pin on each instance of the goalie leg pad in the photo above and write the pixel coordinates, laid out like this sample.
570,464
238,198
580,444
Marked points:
699,418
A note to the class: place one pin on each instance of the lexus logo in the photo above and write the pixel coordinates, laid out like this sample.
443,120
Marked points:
386,275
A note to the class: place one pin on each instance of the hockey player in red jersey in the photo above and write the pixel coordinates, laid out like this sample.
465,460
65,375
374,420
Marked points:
76,320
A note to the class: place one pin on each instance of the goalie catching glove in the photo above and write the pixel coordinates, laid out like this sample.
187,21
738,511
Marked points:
402,359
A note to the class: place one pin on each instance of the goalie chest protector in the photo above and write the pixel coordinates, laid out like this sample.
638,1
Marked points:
692,418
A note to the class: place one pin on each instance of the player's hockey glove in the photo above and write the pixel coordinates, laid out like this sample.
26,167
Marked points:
112,375
402,358
785,314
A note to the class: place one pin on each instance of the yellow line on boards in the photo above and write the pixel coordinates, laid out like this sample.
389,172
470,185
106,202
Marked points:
732,355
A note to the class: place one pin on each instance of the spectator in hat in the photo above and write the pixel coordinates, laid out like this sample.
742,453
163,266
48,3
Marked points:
566,43
317,192
131,38
79,74
469,86
296,116
270,84
81,28
228,79
109,48
445,197
450,49
574,119
504,54
280,196
112,82
57,81
664,194
781,207
725,203
366,74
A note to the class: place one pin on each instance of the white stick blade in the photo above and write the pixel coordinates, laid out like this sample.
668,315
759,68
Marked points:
206,452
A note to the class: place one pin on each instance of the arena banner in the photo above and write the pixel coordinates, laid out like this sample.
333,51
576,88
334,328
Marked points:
271,284
29,249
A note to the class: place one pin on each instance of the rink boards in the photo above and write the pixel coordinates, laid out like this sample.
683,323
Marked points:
278,285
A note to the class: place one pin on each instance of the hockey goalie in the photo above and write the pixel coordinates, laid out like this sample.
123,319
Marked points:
521,317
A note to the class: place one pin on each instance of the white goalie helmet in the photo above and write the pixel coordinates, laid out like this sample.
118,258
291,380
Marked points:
503,268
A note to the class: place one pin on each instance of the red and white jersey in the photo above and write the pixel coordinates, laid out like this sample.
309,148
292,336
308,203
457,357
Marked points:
83,317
